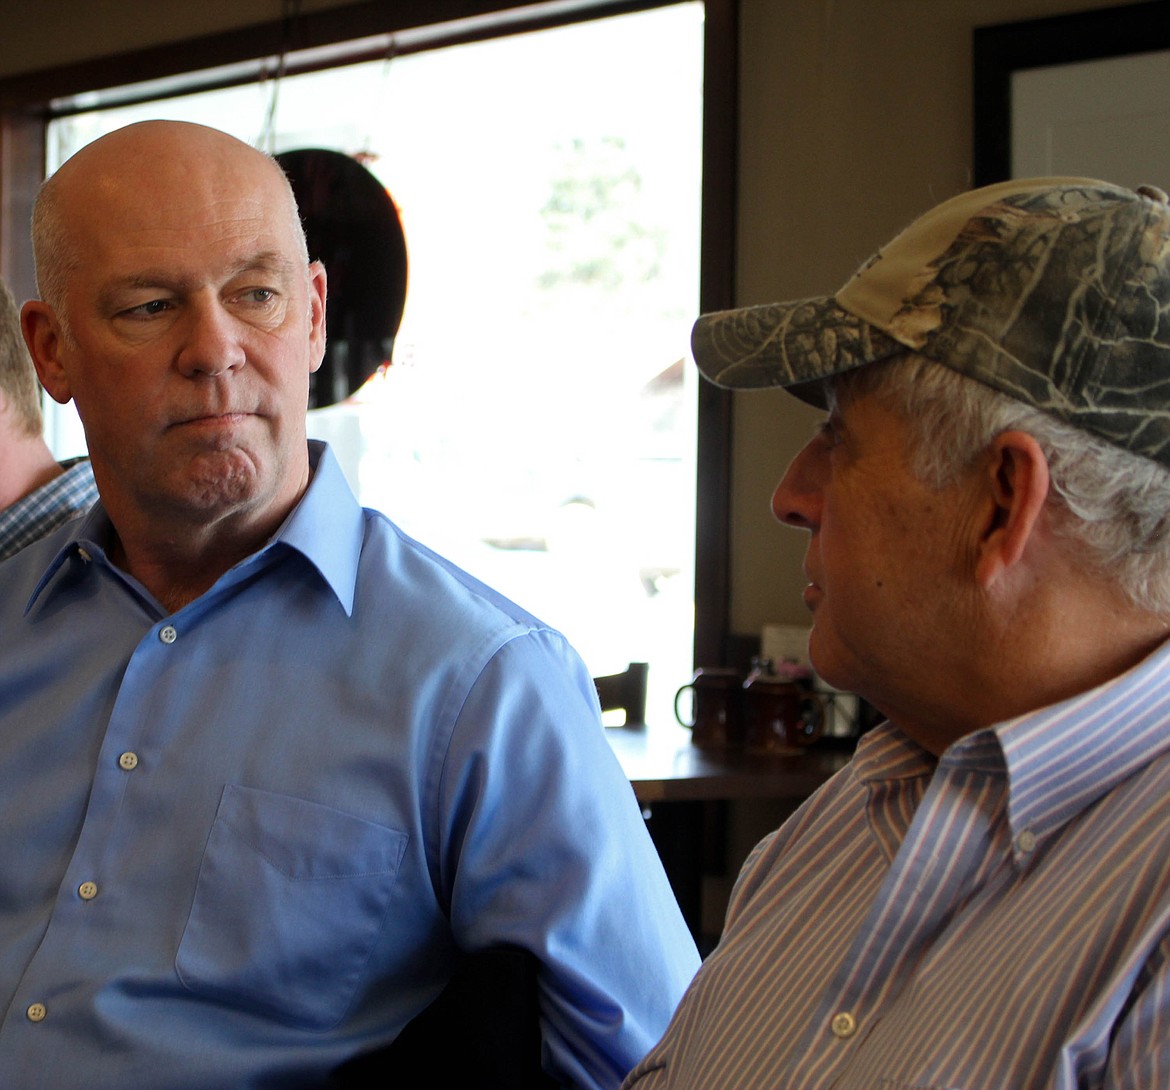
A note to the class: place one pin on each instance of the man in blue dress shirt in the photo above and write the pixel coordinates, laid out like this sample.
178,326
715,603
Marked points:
268,767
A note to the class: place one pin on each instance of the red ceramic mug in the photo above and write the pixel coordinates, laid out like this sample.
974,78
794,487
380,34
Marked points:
716,715
779,716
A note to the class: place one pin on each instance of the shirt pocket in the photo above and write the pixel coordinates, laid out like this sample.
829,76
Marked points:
291,899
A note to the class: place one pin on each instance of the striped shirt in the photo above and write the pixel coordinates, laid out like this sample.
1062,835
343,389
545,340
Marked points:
1000,920
44,509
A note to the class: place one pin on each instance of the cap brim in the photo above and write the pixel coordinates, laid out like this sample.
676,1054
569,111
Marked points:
795,345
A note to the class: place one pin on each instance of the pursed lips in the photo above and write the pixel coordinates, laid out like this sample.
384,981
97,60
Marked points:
211,418
812,590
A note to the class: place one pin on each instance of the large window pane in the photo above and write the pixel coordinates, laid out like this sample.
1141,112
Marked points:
537,424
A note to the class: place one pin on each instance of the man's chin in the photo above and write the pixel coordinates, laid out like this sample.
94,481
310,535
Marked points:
218,485
826,666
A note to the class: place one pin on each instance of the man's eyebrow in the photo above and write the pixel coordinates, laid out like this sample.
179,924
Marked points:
267,261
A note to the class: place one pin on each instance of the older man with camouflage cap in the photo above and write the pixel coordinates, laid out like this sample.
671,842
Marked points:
982,897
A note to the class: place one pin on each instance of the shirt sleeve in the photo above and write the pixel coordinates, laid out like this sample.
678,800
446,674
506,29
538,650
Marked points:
543,846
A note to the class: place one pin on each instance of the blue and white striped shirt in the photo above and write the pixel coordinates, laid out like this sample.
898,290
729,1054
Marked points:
33,516
1001,920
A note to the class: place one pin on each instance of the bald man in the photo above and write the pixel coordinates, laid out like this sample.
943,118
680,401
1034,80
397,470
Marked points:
273,766
37,493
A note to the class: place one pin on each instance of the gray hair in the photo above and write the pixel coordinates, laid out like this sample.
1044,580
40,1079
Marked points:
1112,505
55,253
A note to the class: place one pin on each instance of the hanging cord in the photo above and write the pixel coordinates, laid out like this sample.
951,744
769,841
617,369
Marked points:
366,155
290,13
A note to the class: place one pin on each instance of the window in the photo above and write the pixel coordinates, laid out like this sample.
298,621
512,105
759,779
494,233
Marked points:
538,422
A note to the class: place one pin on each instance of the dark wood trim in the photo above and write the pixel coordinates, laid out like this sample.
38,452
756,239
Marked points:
22,164
717,292
1001,50
345,34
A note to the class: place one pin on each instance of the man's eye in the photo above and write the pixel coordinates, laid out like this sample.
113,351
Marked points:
262,296
148,309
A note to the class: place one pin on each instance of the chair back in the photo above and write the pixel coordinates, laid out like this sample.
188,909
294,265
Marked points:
481,1033
626,691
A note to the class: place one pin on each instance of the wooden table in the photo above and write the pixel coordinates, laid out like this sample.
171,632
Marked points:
684,792
664,766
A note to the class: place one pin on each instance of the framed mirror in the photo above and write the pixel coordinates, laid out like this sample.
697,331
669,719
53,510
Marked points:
1081,94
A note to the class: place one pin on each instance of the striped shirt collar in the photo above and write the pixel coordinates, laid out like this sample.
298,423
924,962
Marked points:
1058,760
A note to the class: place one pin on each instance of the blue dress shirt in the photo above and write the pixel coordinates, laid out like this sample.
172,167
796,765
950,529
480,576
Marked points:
247,840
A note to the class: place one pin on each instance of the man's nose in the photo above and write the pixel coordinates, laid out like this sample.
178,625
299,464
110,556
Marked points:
211,341
797,499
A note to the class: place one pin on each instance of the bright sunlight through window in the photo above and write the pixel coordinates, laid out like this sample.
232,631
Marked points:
537,422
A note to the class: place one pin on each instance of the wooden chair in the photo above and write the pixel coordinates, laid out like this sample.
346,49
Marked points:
481,1033
626,691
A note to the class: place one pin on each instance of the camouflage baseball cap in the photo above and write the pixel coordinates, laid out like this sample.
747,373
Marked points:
1055,291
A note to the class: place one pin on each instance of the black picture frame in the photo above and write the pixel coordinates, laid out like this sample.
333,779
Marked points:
1001,50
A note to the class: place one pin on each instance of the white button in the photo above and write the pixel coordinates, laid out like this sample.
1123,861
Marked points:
36,1012
1026,841
87,891
168,634
128,761
844,1025
83,554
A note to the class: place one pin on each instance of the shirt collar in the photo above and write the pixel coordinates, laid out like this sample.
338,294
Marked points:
1062,758
325,527
1057,760
70,492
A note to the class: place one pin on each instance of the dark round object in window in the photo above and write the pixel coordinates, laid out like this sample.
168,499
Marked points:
353,229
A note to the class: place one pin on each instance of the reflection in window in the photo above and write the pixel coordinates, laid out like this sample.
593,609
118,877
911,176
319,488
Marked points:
537,423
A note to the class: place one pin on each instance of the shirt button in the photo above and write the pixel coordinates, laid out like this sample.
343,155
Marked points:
1026,841
36,1012
87,891
168,634
128,761
843,1025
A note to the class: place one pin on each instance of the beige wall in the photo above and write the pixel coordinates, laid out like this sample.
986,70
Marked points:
856,116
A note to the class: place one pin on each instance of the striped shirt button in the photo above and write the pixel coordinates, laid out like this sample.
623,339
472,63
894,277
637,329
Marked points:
1026,841
843,1025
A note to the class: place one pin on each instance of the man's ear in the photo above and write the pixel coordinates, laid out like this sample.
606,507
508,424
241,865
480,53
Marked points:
42,334
1018,480
317,332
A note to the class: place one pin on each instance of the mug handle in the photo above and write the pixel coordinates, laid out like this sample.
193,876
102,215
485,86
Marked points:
691,725
814,720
